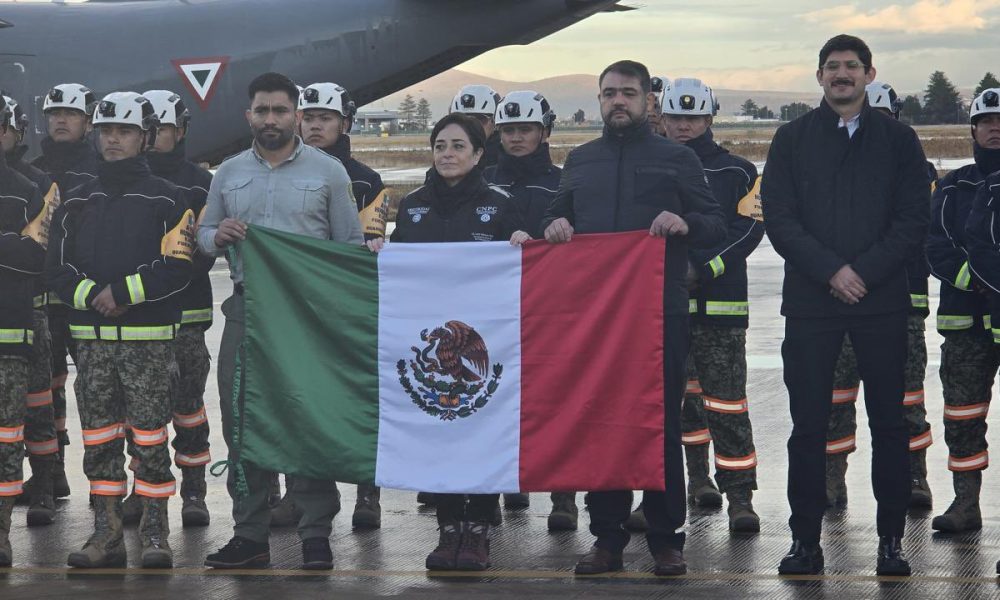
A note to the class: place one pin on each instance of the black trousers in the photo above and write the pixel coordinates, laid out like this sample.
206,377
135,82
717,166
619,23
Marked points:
665,511
478,509
810,353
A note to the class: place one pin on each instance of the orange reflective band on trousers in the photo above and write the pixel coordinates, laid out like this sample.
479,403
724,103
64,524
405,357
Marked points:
155,490
840,446
969,463
696,438
741,463
970,411
845,396
38,399
103,435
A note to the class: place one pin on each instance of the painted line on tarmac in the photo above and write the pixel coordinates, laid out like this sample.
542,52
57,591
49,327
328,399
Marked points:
490,574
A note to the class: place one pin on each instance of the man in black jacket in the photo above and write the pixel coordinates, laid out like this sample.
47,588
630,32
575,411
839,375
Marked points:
122,248
845,195
631,179
716,408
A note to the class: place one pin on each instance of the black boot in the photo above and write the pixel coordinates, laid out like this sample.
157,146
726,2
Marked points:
802,559
891,560
194,511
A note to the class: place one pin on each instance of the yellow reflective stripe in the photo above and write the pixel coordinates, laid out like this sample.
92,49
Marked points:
136,292
987,322
954,322
692,306
16,336
963,279
113,333
198,315
996,336
39,301
82,291
54,298
727,308
918,300
718,266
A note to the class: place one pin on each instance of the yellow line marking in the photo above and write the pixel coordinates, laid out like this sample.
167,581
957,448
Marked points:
490,574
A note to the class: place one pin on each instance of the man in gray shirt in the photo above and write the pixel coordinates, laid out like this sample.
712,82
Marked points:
284,184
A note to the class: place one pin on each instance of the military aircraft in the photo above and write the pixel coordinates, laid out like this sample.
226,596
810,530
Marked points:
209,50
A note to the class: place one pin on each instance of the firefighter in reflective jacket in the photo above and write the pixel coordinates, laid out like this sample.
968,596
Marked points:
843,412
963,255
22,257
715,405
122,248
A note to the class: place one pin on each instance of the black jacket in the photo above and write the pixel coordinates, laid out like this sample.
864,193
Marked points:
831,200
15,160
623,180
532,181
68,163
721,296
917,268
366,184
982,234
21,260
132,231
193,181
492,150
472,211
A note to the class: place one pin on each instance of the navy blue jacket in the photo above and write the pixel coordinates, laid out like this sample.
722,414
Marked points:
366,184
532,181
21,259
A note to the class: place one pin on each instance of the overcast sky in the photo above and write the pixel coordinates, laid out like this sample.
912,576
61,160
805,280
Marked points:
763,45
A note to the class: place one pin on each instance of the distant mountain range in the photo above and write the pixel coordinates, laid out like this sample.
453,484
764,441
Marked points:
568,93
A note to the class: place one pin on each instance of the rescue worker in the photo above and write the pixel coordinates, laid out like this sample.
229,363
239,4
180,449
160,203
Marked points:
22,259
658,85
845,195
41,442
327,115
962,255
455,204
122,249
630,179
69,158
277,165
843,413
480,102
524,170
715,405
166,159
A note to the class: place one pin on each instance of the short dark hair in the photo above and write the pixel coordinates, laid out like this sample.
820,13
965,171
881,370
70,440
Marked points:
473,128
274,82
628,68
846,43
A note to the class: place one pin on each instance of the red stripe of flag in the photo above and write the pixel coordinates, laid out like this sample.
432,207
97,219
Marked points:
593,358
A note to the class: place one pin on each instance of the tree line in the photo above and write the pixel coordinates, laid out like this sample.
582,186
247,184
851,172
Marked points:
941,104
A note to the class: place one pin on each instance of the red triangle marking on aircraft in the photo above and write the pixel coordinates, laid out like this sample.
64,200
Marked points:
201,76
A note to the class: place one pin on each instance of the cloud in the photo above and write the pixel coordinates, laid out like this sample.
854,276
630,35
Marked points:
773,77
923,16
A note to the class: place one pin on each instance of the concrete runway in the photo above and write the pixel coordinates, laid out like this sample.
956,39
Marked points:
528,560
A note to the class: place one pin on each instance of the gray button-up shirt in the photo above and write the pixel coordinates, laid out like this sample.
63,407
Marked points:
309,194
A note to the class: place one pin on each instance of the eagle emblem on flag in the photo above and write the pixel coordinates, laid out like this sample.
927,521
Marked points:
452,372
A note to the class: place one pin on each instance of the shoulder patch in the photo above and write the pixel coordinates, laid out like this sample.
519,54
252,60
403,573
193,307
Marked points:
374,215
179,241
38,228
750,206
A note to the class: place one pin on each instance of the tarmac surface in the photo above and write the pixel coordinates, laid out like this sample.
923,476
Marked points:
528,561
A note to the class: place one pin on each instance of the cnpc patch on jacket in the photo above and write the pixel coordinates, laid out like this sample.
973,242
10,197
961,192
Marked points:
750,206
38,228
179,241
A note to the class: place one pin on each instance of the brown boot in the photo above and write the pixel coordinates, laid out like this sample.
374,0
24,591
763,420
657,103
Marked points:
474,550
42,509
836,480
701,490
564,513
6,507
598,561
106,546
154,529
194,511
742,518
920,490
669,563
963,514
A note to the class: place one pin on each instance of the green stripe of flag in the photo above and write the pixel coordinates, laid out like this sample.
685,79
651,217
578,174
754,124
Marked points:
311,364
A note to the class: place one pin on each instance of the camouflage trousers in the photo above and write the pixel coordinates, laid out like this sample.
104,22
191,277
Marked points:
39,425
123,385
13,388
188,407
715,404
969,362
840,435
62,344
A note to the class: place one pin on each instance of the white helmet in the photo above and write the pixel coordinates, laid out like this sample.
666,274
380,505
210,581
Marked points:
881,95
689,97
658,85
988,101
475,100
327,96
168,108
18,120
126,108
69,95
525,107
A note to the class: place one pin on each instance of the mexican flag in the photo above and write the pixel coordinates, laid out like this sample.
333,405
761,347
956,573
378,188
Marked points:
455,367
